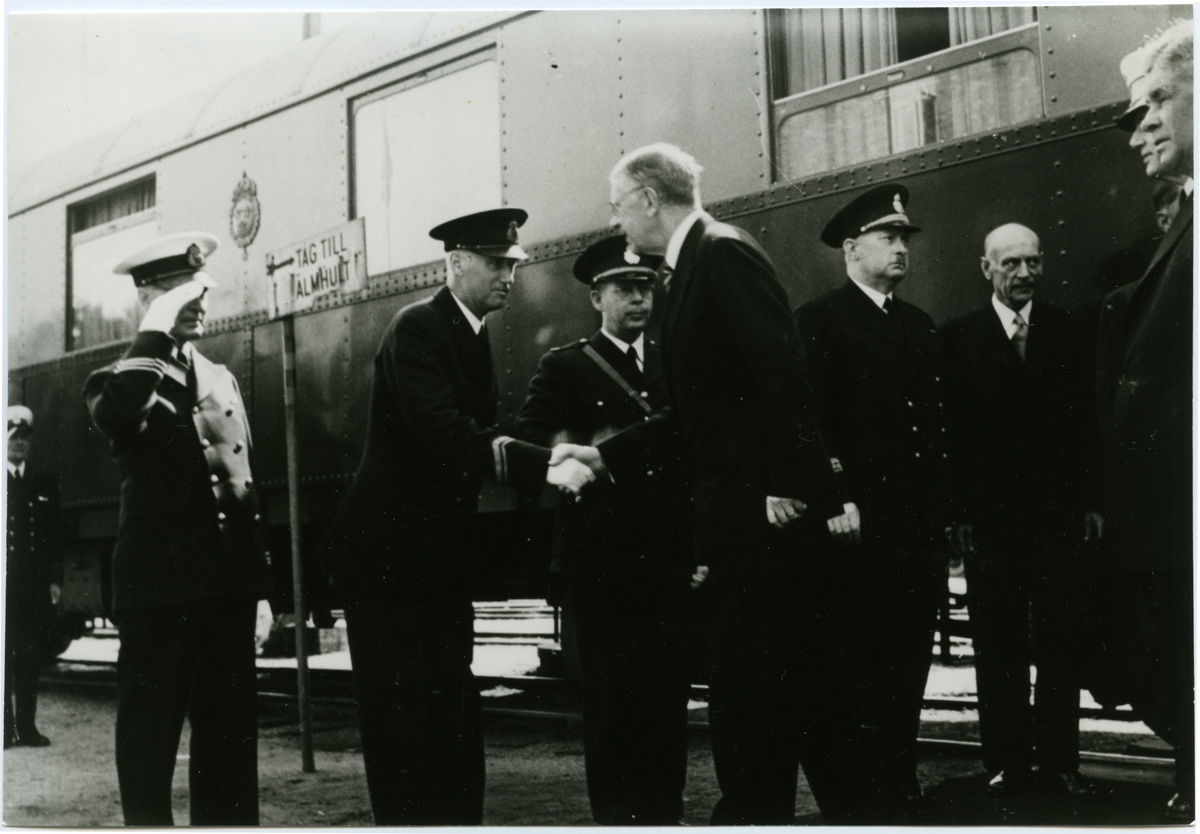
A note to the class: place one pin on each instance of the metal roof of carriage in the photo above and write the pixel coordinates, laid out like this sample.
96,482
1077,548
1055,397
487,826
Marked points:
313,67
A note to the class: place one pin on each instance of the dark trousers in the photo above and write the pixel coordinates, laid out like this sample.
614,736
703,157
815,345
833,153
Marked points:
1025,608
1151,625
420,714
903,580
633,650
194,660
24,635
781,697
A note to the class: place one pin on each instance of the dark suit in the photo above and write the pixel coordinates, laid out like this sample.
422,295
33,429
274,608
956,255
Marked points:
1023,437
1144,378
741,408
188,568
625,550
402,546
34,563
877,378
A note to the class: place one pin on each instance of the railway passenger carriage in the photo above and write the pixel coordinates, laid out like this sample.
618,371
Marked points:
406,119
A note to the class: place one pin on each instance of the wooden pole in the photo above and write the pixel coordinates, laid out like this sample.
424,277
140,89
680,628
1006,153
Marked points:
299,607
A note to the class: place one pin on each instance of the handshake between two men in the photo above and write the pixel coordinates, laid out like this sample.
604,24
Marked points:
572,467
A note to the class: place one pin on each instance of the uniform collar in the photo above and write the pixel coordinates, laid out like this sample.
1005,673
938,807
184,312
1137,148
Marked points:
1188,186
675,244
875,295
472,319
15,470
638,345
1008,317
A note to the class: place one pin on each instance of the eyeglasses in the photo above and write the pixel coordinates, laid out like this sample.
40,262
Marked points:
1033,263
615,205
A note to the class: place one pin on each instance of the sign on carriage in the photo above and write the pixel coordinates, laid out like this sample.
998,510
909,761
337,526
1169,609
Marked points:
331,263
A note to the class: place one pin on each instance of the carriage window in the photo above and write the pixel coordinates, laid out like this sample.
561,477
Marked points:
424,152
853,85
104,230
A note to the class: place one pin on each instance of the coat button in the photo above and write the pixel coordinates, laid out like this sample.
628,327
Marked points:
249,482
237,447
910,405
220,516
646,395
195,409
599,402
916,454
229,412
914,428
204,444
216,479
258,517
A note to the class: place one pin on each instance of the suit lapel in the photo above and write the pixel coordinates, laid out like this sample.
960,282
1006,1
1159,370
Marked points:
867,315
1181,226
473,350
682,279
206,375
995,343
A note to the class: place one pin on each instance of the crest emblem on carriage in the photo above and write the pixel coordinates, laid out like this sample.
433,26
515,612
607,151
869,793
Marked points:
897,205
245,214
512,231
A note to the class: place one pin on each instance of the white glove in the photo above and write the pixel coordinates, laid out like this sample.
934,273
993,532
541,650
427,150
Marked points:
163,311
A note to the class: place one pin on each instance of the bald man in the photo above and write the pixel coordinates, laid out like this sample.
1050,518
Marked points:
1024,505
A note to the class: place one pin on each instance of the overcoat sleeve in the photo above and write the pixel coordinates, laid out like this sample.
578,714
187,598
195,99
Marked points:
415,364
120,396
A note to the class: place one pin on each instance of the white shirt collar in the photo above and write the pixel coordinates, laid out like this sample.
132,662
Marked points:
676,242
475,322
14,469
1008,317
874,295
1188,185
638,345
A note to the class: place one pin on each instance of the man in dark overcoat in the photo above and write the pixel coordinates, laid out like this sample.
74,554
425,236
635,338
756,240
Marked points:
1144,380
624,549
189,567
1026,498
764,495
33,578
402,543
876,370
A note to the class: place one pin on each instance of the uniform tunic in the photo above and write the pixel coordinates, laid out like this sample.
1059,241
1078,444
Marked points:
188,568
34,563
626,551
401,547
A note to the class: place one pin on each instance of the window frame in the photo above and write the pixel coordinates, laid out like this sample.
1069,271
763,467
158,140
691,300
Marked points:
355,103
1027,37
92,233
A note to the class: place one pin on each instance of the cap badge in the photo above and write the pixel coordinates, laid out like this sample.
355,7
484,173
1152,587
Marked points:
897,205
194,258
631,257
512,231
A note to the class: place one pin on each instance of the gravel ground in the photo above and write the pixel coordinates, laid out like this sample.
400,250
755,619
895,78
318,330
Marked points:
535,776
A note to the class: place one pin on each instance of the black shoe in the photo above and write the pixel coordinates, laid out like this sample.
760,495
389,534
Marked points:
1008,783
1066,782
1180,810
34,739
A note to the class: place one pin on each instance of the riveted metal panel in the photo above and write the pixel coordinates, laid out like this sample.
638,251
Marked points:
270,445
297,158
37,284
323,385
1082,47
694,78
560,87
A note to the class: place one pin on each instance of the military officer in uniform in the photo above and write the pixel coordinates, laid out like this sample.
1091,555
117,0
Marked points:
877,379
188,568
624,549
401,545
32,579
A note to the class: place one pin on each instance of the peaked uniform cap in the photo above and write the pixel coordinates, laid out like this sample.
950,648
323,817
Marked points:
182,253
492,233
882,207
610,259
19,417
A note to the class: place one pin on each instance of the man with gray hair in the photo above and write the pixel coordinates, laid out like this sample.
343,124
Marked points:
1144,374
764,495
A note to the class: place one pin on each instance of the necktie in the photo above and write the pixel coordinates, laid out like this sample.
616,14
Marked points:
1020,335
631,367
665,274
887,305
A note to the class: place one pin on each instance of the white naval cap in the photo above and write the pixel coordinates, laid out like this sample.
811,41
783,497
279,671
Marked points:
169,256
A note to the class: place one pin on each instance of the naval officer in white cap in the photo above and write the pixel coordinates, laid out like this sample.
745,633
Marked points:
189,568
